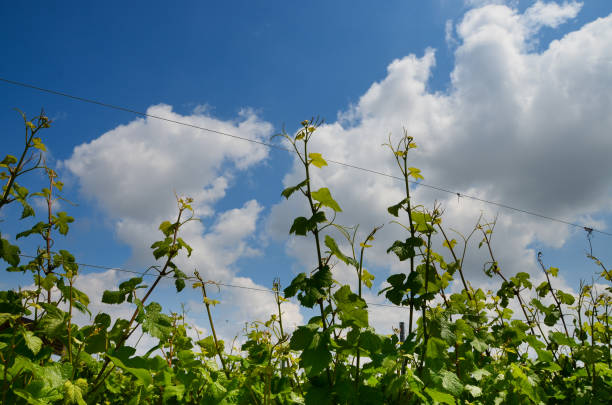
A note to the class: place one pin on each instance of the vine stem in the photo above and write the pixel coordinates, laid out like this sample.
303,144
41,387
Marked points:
424,316
360,276
517,292
129,330
552,292
315,232
460,268
212,325
15,172
70,323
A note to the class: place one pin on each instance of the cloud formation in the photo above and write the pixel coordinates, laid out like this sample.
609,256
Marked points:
526,127
132,173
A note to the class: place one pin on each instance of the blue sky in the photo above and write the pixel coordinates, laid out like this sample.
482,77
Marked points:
256,66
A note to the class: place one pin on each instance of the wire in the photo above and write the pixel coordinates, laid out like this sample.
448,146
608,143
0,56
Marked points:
278,147
267,290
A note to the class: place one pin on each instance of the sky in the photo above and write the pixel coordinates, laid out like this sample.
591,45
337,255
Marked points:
509,101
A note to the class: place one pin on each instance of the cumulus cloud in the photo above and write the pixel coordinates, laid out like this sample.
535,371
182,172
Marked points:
519,125
132,173
133,170
551,14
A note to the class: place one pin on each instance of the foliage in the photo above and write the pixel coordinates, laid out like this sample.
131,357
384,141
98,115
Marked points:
461,348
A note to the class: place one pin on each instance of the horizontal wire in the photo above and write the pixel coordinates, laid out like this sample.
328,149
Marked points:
278,147
267,290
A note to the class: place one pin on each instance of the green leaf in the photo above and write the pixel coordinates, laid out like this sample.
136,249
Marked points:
560,339
208,301
10,253
301,226
301,338
435,353
73,394
323,196
208,345
565,298
102,320
37,143
333,247
394,209
135,400
317,160
479,345
126,289
167,228
451,383
317,356
156,323
113,297
28,211
38,228
61,221
473,390
423,222
395,293
34,343
480,373
440,397
140,373
4,317
552,317
66,260
182,245
415,173
319,396
48,282
179,280
366,278
130,285
8,160
370,341
310,290
161,247
544,356
405,250
351,307
52,323
396,280
290,190
449,244
31,399
97,343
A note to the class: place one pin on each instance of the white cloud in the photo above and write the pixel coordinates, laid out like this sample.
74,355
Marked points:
132,173
482,3
551,14
133,170
449,33
528,128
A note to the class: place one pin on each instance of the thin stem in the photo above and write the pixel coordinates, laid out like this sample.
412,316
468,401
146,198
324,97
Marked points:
129,330
552,292
15,171
424,308
70,323
460,267
315,232
212,325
